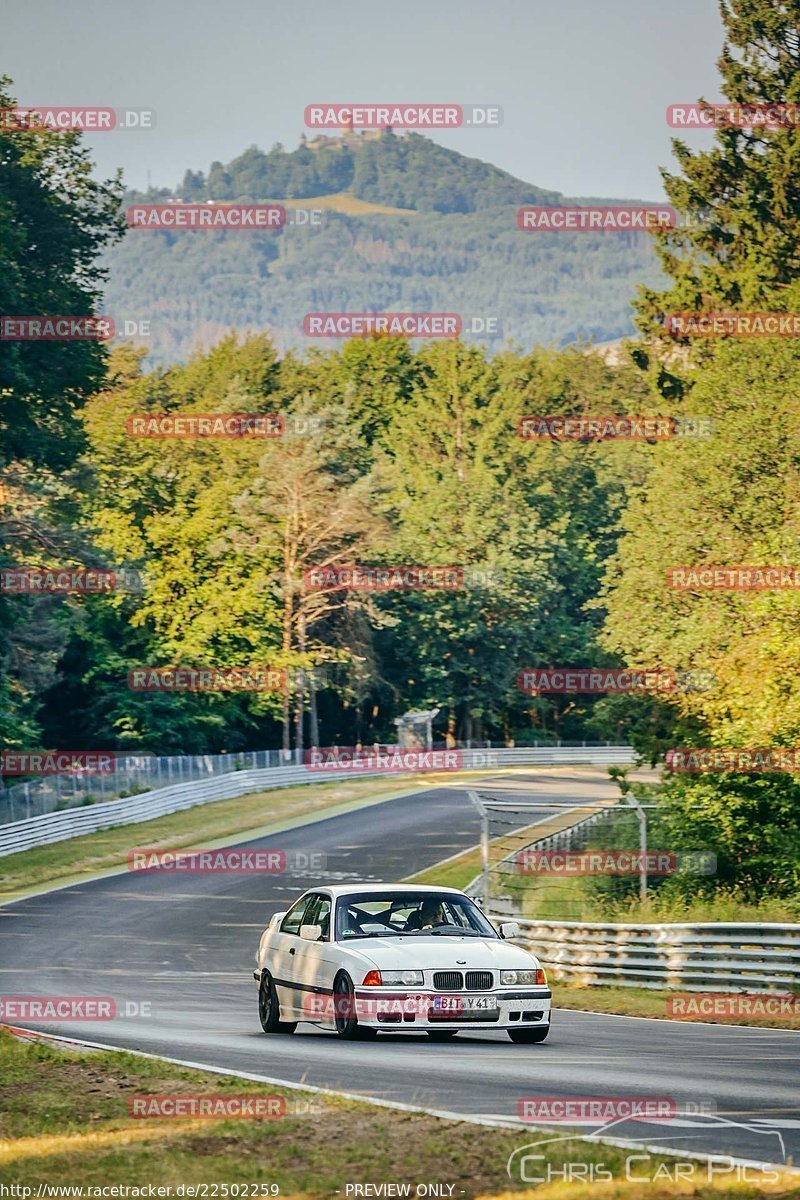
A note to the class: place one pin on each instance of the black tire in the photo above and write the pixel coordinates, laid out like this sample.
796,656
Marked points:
441,1035
526,1036
269,1011
344,1013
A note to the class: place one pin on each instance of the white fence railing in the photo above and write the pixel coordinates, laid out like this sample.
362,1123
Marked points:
58,826
706,957
128,774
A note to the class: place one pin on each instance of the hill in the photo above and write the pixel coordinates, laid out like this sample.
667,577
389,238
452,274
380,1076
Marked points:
405,225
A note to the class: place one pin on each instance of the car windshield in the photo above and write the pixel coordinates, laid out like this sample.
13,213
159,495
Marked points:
404,914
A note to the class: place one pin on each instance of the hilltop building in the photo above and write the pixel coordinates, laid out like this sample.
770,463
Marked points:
348,137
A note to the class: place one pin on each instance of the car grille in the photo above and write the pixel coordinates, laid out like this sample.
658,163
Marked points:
448,981
453,981
479,981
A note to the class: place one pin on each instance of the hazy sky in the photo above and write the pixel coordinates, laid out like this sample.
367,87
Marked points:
583,83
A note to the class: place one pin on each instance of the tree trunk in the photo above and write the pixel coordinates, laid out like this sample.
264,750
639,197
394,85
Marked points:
288,612
301,705
450,736
286,740
301,683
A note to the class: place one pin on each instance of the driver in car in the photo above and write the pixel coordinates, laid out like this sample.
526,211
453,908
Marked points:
429,914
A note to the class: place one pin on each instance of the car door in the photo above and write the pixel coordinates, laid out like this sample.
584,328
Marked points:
312,962
282,955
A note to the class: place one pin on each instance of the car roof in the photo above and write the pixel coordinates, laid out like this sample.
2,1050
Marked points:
347,889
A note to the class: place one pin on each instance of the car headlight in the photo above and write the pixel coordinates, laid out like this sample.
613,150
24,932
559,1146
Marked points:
402,978
534,976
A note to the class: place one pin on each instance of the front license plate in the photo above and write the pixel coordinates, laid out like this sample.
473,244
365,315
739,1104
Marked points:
457,1004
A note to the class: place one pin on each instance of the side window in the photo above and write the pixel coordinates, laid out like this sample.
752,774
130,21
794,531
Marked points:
294,918
322,917
318,913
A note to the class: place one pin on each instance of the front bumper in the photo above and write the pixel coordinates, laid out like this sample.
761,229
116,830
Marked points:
386,1008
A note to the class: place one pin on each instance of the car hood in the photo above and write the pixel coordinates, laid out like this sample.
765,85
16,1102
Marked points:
427,952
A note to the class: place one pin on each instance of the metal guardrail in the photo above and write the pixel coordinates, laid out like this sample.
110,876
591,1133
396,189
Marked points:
756,956
131,774
59,826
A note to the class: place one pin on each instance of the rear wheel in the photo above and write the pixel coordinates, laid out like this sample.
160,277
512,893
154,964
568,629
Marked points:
441,1035
526,1036
269,1012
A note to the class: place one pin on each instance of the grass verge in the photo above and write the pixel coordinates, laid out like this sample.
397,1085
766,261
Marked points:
644,1002
351,206
64,1120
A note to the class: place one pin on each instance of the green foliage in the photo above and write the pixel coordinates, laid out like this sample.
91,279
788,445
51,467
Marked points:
407,171
411,466
732,499
743,194
54,222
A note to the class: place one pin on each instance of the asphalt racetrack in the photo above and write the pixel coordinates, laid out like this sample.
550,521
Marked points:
185,944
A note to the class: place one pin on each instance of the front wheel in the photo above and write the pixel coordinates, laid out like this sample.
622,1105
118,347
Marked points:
526,1036
269,1011
344,999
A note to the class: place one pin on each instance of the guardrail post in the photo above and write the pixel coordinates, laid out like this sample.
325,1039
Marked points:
485,878
642,815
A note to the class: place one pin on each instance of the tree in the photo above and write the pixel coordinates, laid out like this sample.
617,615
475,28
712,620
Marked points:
742,196
55,220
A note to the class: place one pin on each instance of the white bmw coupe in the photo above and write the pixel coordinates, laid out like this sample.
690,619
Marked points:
358,959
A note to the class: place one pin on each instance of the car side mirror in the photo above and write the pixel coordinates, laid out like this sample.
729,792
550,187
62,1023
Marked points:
509,929
310,933
275,921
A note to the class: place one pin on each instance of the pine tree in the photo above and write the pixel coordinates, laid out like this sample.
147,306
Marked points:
738,243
